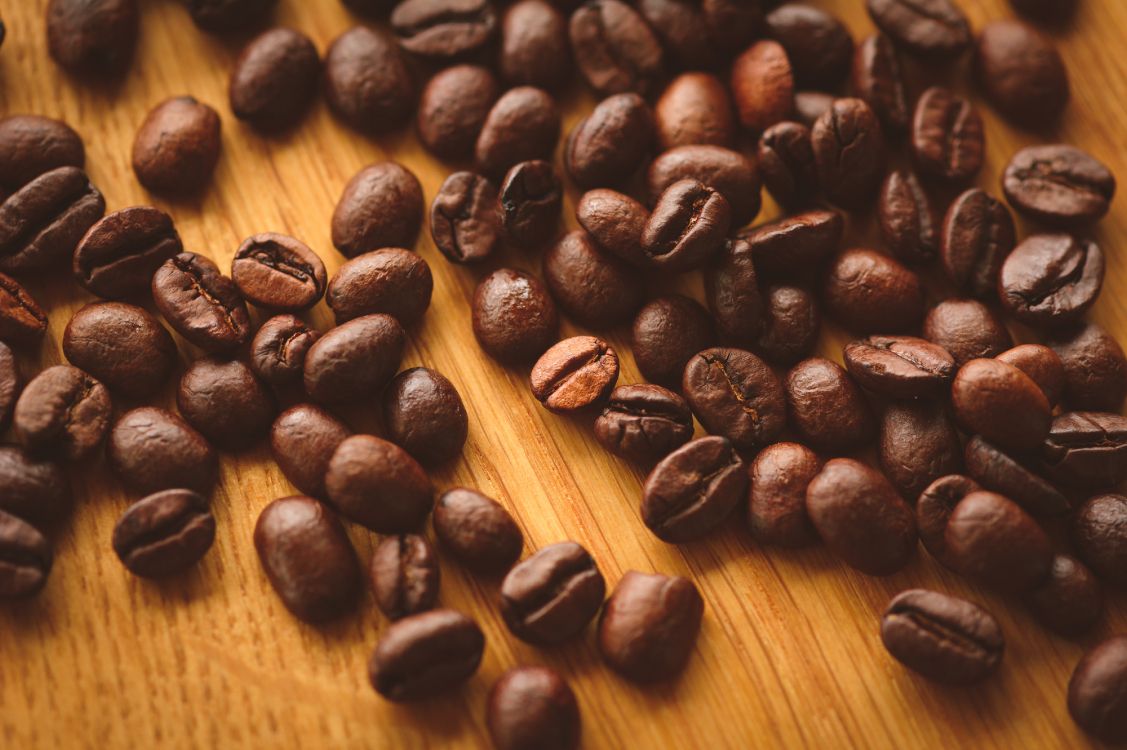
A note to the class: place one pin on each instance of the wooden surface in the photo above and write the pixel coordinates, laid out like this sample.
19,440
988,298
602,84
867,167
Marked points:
789,653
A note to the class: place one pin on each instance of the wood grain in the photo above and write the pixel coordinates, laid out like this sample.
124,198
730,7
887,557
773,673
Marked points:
789,653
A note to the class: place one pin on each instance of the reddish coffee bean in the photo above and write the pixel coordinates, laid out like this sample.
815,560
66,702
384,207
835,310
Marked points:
1009,476
151,449
278,351
573,374
776,511
121,345
27,558
667,332
868,292
405,575
1096,698
967,329
933,511
918,444
164,534
978,233
444,29
523,125
43,221
609,145
424,415
991,539
200,303
22,320
790,325
907,221
1021,73
381,206
477,530
368,83
729,172
225,402
275,79
694,109
92,36
550,597
762,85
118,256
354,360
1086,449
596,290
514,318
948,139
391,280
644,423
530,199
177,146
426,654
877,80
826,407
453,108
614,48
615,221
933,29
465,223
900,366
532,708
1099,530
732,291
62,412
1041,364
693,490
277,272
31,145
1095,370
849,152
1050,280
735,394
303,439
687,226
1058,185
378,485
796,247
786,159
34,489
1001,403
816,42
534,49
1070,601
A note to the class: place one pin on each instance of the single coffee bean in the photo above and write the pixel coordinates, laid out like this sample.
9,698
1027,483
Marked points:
575,373
694,109
1095,370
25,558
735,394
530,199
405,575
948,139
683,31
816,42
302,441
177,146
776,511
1009,476
1096,695
648,629
381,206
277,272
550,597
62,412
201,304
219,16
991,539
464,221
92,36
278,351
614,48
918,444
444,29
786,159
453,107
826,407
796,247
534,49
790,324
609,145
1021,73
693,490
42,222
810,105
978,233
122,345
274,79
33,488
31,145
424,415
967,329
151,449
368,83
933,511
861,518
1087,449
378,485
354,360
477,530
615,221
667,332
595,289
532,708
732,24
1058,185
426,654
1099,531
514,318
849,152
732,290
900,366
22,320
1051,279
728,172
391,280
119,254
644,423
11,383
523,125
225,402
907,222
932,28
1070,601
687,226
1001,403
1041,364
867,292
944,638
877,81
164,534
762,84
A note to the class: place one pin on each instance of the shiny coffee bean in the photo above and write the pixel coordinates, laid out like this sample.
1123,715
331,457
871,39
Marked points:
762,83
991,539
278,351
368,81
378,485
22,320
92,36
534,49
551,596
609,145
687,227
303,439
1001,403
575,373
532,708
425,655
381,206
1099,531
200,303
477,530
118,255
177,146
644,423
62,412
816,42
1008,475
826,407
274,79
1095,370
907,222
453,107
790,324
523,125
514,317
1086,449
615,221
614,48
776,510
1041,364
695,108
32,488
933,511
849,152
530,199
1070,601
786,159
731,288
390,280
867,292
669,330
918,444
595,289
948,139
1051,279
43,221
151,449
424,415
796,247
877,81
932,29
444,29
31,145
978,233
1097,700
279,273
1021,73
900,366
464,221
693,490
25,558
354,360
728,172
735,394
164,534
225,402
1058,185
967,329
405,575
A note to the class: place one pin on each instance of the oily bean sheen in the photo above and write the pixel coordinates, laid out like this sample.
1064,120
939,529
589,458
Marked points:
552,595
762,85
776,510
1087,449
278,350
991,539
786,159
907,221
381,206
1058,185
735,394
967,329
728,172
444,29
1070,601
164,533
732,291
464,221
944,638
644,423
933,511
849,153
530,199
1097,699
308,558
1095,370
615,221
22,320
928,28
1041,364
523,125
998,471
11,382
274,79
62,412
405,575
453,107
1021,73
978,233
177,146
867,292
810,105
534,49
354,360
151,449
42,222
378,485
606,148
201,304
31,145
687,227
225,402
614,48
667,332
1099,531
426,654
92,36
391,280
424,415
596,289
877,80
948,139
683,31
514,318
900,366
826,407
817,43
797,246
648,629
218,16
118,255
34,489
477,530
575,373
1001,403
368,83
1051,279
533,708
861,518
693,490
790,324
277,272
918,444
25,558
694,108
303,439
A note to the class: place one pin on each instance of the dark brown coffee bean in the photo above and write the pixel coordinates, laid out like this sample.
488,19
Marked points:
1041,364
1099,530
33,489
967,329
532,708
648,629
381,206
978,233
523,125
426,654
683,31
424,415
1059,185
464,221
644,423
735,394
732,23
121,345
849,153
728,172
868,292
1045,10
391,280
1021,73
796,247
11,382
575,373
732,290
42,222
900,366
355,359
92,36
177,146
607,147
1096,696
948,139
762,85
826,407
119,254
595,289
477,530
453,107
928,28
614,48
278,272
151,449
1001,403
667,332
1009,476
991,539
302,441
790,324
918,444
444,29
217,16
933,511
201,304
25,558
693,490
22,320
817,43
687,227
225,402
31,145
907,221
278,350
810,105
534,49
786,159
274,79
550,597
514,318
164,534
1051,279
1070,601
1087,449
378,485
62,412
877,80
944,638
776,511
615,221
1095,370
368,83
405,575
694,109
530,199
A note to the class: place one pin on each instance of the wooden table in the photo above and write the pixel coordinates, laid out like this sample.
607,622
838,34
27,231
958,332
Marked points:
789,653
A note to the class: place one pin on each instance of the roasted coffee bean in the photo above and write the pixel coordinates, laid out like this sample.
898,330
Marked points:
355,359
790,324
405,575
732,290
31,145
477,530
514,318
201,304
786,159
942,637
278,272
948,139
42,222
648,629
378,485
735,394
991,539
424,415
776,511
391,280
426,654
225,402
532,708
817,43
1099,530
368,83
22,320
177,146
978,233
62,412
933,511
575,373
683,30
302,441
1095,370
534,49
1021,73
693,490
11,382
530,199
164,533
861,518
151,449
1087,449
694,109
614,48
669,330
687,227
615,221
1001,403
595,289
121,345
278,350
31,488
907,222
797,246
118,255
967,329
826,407
607,147
1045,10
274,79
1041,364
732,23
1009,476
444,29
1059,185
381,206
900,366
453,107
219,16
932,28
1070,601
918,444
552,595
644,423
308,558
92,36
849,153
25,558
762,85
1096,696
728,172
464,221
810,105
877,80
523,125
1051,279
867,292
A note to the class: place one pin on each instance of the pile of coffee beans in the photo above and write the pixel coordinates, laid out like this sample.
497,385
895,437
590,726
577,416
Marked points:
1002,457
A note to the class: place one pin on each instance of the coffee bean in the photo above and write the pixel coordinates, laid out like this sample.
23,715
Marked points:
1009,476
1095,370
849,152
877,80
453,107
1001,403
477,530
119,254
1096,696
378,485
274,79
302,441
1021,73
391,280
22,320
614,49
278,351
1070,601
735,394
978,233
575,373
1041,364
514,318
354,360
644,423
164,533
523,125
867,292
1087,449
918,444
308,558
967,329
464,221
11,383
595,289
530,199
732,290
1051,279
550,597
907,222
790,324
368,83
826,407
151,449
92,36
991,539
32,488
948,139
444,29
62,412
121,345
648,629
405,575
225,402
42,222
762,85
1099,530
786,159
609,145
776,511
615,221
426,654
900,366
217,16
1058,185
732,23
1045,10
177,146
381,206
693,490
669,330
277,272
810,105
796,247
694,109
933,511
683,31
941,637
816,42
532,708
534,49
31,145
424,415
728,172
25,558
933,29
687,226
201,304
